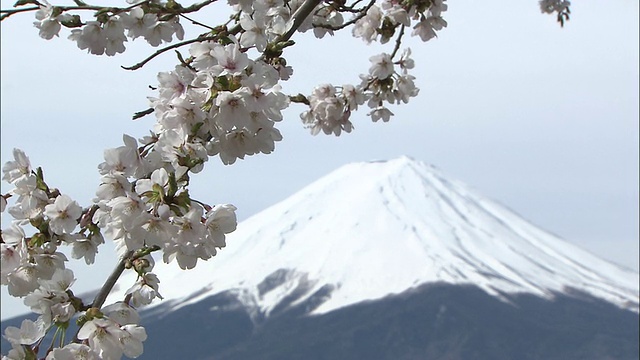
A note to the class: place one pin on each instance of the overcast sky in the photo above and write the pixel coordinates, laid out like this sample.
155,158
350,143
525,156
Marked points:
540,118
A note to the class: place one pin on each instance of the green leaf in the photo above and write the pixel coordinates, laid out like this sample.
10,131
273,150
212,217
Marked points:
173,185
183,200
158,193
196,127
173,5
72,22
29,353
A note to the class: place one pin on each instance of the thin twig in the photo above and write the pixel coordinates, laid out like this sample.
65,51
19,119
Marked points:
7,13
361,13
113,10
398,42
196,7
165,49
195,22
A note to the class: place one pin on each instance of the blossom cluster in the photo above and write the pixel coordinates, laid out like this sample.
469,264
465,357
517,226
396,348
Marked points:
554,6
558,7
330,107
106,34
380,22
226,103
139,209
222,103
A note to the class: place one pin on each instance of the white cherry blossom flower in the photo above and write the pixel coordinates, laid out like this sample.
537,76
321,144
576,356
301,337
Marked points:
427,27
144,290
28,333
353,96
121,313
103,336
137,22
381,66
366,27
405,88
255,31
230,60
203,55
396,13
406,62
48,262
62,312
159,177
112,185
16,353
124,159
381,113
326,16
87,248
221,220
11,256
60,281
73,351
48,24
20,167
115,38
90,37
63,214
159,32
23,280
131,340
13,235
232,111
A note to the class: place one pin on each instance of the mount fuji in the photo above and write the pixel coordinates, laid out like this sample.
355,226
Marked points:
368,230
395,260
392,260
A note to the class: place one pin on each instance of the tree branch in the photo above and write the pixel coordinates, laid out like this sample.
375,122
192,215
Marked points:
195,22
165,49
298,18
398,42
361,13
7,13
111,281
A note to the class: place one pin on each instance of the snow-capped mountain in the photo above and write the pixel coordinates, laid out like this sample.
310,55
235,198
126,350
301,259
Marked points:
368,230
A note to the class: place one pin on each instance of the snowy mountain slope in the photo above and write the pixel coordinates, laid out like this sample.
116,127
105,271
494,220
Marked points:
372,229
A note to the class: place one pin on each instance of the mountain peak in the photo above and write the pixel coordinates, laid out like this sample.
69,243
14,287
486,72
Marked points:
377,228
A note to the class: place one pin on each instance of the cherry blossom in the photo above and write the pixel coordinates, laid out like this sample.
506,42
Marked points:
17,169
63,214
28,333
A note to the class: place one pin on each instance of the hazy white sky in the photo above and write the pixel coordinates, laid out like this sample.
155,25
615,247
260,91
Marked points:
540,118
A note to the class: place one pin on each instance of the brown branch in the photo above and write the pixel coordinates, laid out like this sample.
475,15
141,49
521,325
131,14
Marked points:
196,7
398,42
165,49
361,13
7,13
111,281
195,22
113,10
301,14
